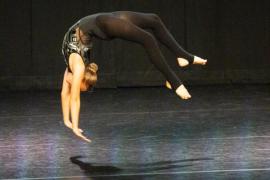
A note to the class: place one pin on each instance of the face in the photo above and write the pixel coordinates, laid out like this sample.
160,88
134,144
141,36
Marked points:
84,87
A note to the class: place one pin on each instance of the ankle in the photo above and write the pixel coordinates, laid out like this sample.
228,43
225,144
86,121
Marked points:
195,59
182,62
179,88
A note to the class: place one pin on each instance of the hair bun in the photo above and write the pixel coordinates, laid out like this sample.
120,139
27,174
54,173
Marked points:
93,67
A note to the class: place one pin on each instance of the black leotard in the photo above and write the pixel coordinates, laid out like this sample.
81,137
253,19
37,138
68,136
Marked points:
129,26
90,30
88,25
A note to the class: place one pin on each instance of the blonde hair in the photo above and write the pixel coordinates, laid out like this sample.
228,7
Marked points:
90,74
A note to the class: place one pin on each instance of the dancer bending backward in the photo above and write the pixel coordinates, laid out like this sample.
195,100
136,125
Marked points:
81,74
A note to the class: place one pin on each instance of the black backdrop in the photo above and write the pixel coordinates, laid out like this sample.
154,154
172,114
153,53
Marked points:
233,34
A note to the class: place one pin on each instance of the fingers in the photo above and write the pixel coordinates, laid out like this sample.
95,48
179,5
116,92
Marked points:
80,135
69,125
85,138
78,132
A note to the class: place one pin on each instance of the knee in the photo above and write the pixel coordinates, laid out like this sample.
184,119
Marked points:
149,39
155,17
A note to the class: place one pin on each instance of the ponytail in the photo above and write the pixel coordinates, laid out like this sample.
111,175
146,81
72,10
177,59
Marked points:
90,75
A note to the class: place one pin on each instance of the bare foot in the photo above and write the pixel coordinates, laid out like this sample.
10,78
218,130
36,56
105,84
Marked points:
182,92
182,62
168,85
197,60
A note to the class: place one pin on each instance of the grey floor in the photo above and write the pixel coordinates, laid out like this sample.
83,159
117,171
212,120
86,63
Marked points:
223,132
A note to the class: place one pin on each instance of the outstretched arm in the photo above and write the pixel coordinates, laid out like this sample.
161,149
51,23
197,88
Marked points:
78,75
65,99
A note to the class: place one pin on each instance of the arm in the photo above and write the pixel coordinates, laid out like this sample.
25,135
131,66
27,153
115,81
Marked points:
78,72
65,99
77,67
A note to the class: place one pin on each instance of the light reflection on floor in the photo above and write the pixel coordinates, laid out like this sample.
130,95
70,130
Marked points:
170,138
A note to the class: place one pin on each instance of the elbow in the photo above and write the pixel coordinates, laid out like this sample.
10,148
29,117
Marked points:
74,98
64,94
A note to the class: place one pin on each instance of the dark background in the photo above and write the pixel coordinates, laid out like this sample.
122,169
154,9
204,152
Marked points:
234,35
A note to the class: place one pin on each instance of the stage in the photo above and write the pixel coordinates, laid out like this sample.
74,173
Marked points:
222,132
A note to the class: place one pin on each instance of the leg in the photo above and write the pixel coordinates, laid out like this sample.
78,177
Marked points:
119,28
153,22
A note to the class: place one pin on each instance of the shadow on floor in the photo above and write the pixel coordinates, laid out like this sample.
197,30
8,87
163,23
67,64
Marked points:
91,169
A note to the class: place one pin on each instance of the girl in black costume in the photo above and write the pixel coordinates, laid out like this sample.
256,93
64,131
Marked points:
81,74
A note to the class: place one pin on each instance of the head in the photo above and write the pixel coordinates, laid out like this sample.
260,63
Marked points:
90,76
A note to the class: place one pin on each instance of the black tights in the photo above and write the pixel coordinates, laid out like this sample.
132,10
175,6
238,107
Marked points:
130,26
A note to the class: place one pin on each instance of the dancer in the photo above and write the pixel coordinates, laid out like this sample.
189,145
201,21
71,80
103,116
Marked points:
80,74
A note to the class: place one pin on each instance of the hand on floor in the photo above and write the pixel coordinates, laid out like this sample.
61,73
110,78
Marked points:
78,133
69,125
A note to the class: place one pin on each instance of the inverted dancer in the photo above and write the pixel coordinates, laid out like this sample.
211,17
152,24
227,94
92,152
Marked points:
80,74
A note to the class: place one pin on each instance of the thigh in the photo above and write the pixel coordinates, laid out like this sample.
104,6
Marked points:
120,28
143,20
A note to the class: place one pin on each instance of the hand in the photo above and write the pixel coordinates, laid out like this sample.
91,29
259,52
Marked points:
182,92
78,133
69,125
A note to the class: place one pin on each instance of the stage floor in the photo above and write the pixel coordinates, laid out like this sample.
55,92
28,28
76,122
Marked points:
223,132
